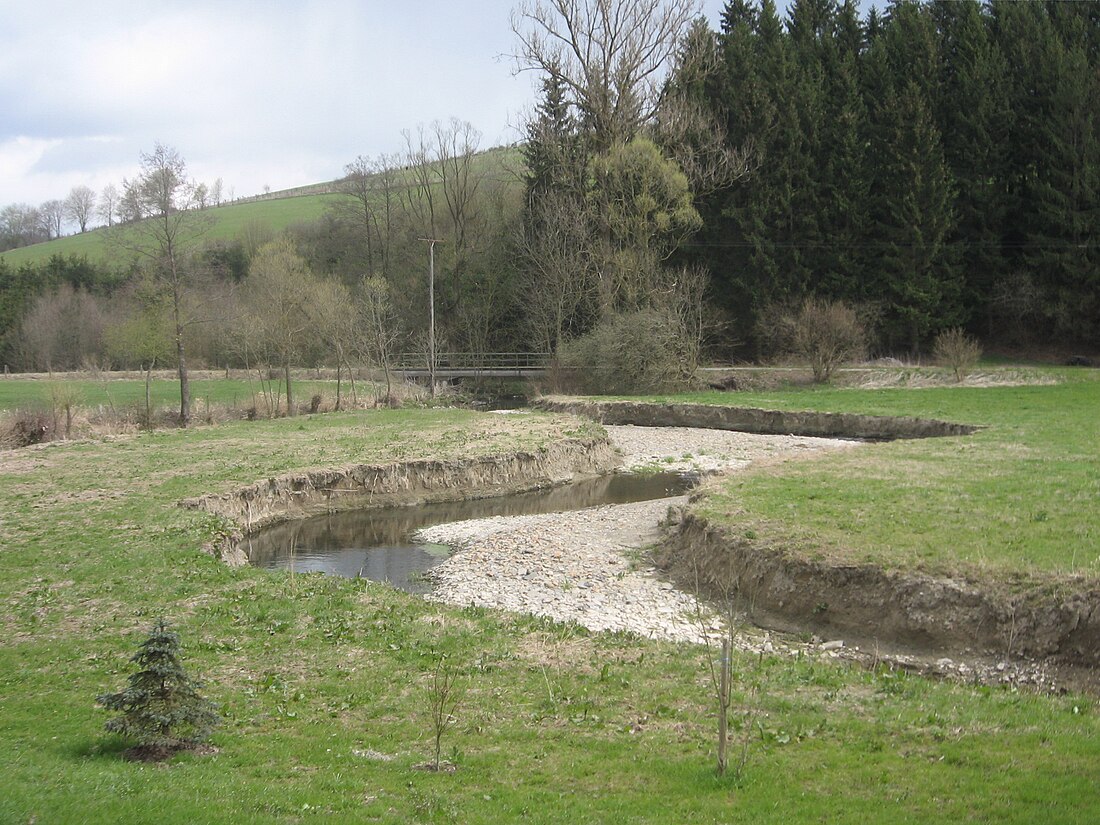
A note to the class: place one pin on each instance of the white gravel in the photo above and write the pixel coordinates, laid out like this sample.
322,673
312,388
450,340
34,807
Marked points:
587,566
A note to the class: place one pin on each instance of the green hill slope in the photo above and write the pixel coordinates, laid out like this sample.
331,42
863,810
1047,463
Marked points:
275,212
229,221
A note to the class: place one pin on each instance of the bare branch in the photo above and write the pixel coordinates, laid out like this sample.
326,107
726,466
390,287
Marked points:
610,54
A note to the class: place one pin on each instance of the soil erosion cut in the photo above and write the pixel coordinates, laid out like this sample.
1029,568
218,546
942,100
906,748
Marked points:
779,588
399,483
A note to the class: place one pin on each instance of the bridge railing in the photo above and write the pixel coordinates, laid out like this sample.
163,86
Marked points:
473,360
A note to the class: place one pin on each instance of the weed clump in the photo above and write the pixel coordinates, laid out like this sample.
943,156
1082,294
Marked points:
28,427
955,349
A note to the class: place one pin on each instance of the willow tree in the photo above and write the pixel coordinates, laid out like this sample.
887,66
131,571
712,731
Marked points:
642,203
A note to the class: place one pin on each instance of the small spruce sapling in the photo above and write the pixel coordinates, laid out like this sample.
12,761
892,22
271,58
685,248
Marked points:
161,708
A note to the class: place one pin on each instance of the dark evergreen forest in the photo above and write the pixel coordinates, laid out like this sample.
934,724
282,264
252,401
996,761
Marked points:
937,164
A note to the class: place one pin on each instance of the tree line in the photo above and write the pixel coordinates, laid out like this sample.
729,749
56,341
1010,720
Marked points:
677,189
82,209
931,166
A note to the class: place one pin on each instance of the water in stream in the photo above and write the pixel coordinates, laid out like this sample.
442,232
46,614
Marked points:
377,544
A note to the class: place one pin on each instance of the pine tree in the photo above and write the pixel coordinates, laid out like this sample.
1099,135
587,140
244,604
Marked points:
913,216
161,708
780,223
1064,197
553,151
973,117
1052,161
727,241
842,163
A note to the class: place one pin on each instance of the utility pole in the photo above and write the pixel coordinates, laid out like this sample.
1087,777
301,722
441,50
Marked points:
431,311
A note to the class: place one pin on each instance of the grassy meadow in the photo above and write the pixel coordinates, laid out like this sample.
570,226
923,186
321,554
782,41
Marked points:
323,683
1017,499
227,222
19,392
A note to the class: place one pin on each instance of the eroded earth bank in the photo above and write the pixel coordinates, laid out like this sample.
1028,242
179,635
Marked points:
635,567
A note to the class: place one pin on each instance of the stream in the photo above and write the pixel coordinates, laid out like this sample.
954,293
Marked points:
377,543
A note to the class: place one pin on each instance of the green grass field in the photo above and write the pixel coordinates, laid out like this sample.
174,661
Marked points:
227,222
322,682
28,393
1016,499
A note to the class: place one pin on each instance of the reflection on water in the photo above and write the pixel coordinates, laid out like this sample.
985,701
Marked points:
376,544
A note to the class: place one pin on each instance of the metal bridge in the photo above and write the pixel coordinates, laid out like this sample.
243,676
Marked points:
473,364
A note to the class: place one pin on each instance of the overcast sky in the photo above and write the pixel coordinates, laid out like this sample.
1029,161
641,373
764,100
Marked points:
274,93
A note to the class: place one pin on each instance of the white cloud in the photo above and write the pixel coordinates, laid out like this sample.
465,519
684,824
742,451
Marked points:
279,93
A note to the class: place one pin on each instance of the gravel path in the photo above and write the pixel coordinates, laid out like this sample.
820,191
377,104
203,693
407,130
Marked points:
587,566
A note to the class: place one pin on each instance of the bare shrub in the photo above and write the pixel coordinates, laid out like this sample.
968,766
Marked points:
955,349
444,695
631,352
824,333
63,401
29,427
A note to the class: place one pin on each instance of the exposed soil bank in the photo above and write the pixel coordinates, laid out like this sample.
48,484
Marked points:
751,420
783,590
313,492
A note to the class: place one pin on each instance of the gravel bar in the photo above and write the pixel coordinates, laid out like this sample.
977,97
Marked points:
588,566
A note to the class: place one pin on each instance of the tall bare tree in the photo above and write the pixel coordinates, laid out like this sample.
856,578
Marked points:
420,198
611,56
20,225
80,206
166,241
456,143
109,203
52,214
557,247
379,323
360,208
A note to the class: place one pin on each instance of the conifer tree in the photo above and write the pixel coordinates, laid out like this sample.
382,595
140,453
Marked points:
973,116
553,151
161,708
913,218
842,163
1063,233
729,237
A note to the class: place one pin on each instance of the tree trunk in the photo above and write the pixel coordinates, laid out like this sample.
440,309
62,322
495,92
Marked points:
339,373
723,707
289,397
148,404
185,383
